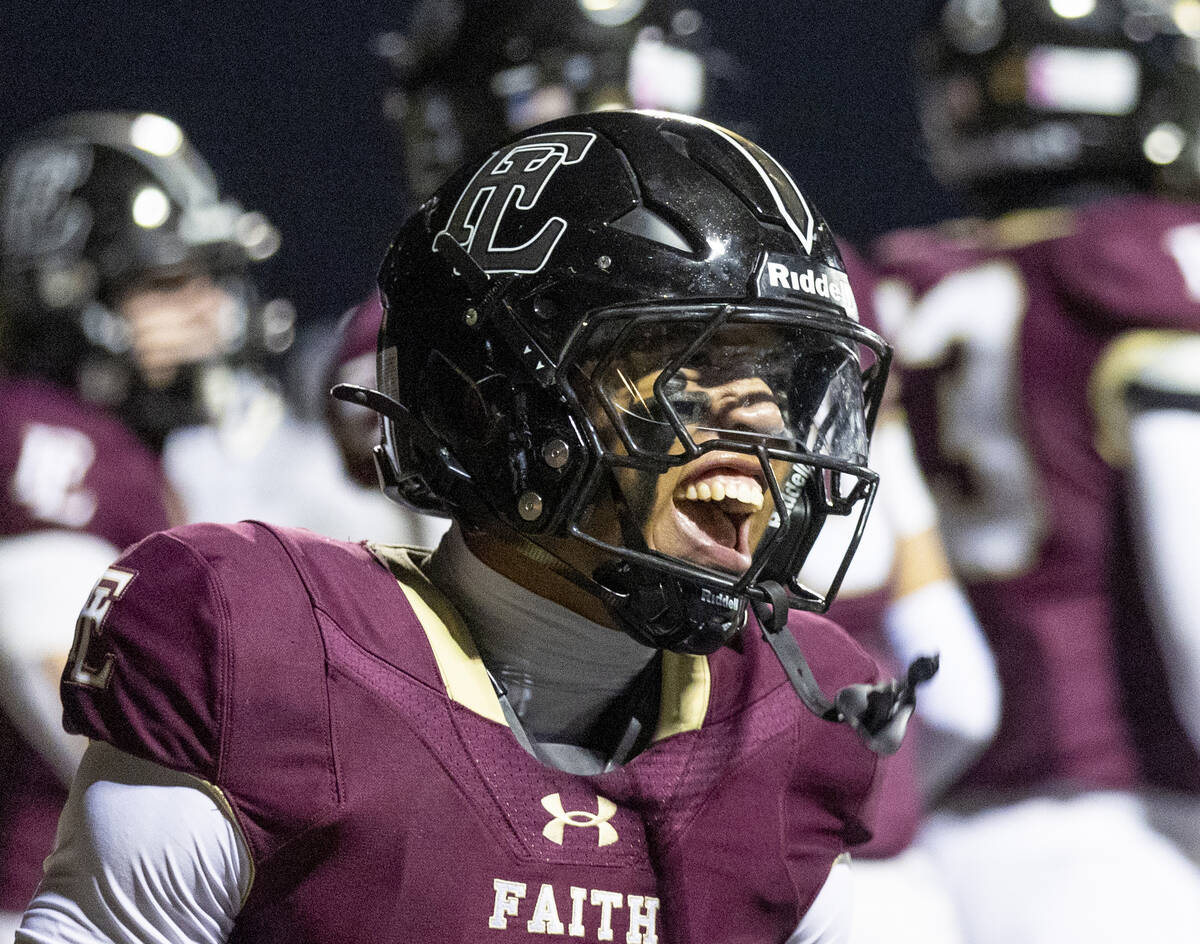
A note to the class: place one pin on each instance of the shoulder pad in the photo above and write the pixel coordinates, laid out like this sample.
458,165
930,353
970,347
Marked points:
174,628
921,257
1133,262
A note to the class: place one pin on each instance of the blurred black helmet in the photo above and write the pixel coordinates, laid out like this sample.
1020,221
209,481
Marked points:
623,318
471,73
93,203
1025,98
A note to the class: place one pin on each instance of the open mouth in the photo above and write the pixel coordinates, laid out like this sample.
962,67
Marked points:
714,507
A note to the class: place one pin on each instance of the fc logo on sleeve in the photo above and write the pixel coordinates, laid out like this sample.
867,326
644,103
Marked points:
514,178
80,669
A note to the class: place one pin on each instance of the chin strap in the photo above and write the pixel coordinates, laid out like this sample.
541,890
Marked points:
878,713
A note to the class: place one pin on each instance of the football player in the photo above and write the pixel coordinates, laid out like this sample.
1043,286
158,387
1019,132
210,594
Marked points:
120,287
1043,348
579,716
466,75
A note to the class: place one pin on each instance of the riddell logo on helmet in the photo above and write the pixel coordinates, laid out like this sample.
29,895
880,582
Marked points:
809,282
717,598
511,180
788,278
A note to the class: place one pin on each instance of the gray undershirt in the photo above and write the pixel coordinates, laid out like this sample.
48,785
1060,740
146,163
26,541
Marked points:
561,671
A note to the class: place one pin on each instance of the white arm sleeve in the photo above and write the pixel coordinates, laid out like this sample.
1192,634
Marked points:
959,709
1166,450
144,855
45,579
827,920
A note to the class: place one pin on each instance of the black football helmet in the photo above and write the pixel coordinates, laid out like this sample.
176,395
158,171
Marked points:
93,203
471,73
1023,101
624,322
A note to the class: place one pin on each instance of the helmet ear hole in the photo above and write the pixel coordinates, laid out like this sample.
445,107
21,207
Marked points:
458,405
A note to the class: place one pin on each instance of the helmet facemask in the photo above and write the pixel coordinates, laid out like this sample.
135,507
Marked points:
725,436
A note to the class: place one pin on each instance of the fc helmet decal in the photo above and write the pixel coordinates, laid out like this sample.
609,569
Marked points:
515,176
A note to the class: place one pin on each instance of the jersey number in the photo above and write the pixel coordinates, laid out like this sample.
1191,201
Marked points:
81,669
965,331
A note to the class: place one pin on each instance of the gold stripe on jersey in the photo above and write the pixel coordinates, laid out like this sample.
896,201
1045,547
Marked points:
1029,227
686,687
1123,361
462,670
222,801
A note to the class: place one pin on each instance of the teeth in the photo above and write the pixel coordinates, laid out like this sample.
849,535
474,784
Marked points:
744,493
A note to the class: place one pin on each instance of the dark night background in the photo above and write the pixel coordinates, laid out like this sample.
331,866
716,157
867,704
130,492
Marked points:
283,101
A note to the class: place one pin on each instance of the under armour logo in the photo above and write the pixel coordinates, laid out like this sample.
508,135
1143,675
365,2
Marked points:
606,810
514,177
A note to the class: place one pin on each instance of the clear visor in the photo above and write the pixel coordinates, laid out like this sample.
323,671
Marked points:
717,432
672,386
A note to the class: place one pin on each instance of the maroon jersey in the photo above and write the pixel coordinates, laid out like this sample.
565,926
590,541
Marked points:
337,702
64,464
1014,329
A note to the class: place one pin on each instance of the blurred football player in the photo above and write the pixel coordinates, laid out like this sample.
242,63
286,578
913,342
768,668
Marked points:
579,715
121,289
900,600
1045,351
469,74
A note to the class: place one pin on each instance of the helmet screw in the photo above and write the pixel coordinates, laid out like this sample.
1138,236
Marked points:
556,453
604,263
471,317
529,506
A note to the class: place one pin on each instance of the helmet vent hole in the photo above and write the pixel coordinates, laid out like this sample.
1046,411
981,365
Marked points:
644,222
677,141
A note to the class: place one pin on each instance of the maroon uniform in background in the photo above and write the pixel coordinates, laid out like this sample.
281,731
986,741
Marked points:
336,701
65,465
1000,357
895,805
